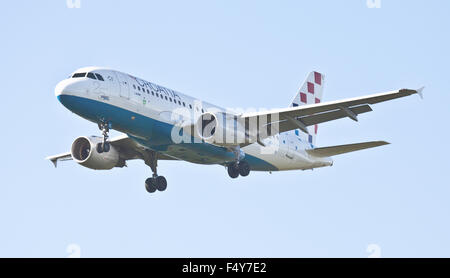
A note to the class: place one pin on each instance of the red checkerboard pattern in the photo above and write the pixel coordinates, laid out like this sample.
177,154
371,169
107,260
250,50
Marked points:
310,93
303,98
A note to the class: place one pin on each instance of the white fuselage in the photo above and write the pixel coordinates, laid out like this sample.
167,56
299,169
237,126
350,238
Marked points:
141,103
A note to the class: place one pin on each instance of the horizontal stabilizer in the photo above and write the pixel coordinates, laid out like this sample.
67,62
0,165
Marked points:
336,150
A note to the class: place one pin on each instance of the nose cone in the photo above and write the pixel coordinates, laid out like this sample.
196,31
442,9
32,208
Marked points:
63,88
67,90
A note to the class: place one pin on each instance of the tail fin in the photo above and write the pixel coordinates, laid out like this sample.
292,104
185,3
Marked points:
310,92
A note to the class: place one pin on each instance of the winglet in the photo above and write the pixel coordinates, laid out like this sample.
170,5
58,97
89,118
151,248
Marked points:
60,157
419,91
53,160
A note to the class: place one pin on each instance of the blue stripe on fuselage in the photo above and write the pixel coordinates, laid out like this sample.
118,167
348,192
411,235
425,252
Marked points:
157,133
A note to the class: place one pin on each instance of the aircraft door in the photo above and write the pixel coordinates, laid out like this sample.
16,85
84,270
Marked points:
287,144
124,86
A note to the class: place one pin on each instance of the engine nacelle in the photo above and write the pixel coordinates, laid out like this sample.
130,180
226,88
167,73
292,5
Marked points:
221,129
84,152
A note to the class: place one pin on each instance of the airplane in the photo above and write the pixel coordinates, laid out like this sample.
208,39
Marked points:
162,124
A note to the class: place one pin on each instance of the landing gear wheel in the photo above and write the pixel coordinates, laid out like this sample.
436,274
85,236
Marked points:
106,147
155,182
244,168
100,147
103,147
233,171
104,126
150,185
161,183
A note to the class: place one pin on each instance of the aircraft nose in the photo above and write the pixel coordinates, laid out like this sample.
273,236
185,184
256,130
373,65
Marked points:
68,87
62,88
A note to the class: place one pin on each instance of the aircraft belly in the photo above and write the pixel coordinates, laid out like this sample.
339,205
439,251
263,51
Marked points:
153,133
277,157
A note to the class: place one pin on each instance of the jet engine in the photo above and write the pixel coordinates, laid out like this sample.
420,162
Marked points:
84,152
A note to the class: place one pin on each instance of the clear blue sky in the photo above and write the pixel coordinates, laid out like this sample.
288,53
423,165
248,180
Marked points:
236,54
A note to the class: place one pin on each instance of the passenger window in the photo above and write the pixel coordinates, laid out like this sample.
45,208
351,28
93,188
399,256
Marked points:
179,102
134,86
157,95
78,75
170,99
184,104
166,97
99,77
91,76
139,89
190,106
153,93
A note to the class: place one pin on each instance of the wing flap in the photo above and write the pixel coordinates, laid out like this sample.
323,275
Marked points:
337,150
321,118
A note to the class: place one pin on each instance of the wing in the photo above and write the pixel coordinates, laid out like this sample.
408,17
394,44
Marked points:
303,116
128,150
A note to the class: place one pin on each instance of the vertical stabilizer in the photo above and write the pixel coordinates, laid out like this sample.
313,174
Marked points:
310,92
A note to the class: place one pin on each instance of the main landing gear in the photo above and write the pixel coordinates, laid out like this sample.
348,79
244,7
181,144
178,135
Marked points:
104,146
155,182
238,168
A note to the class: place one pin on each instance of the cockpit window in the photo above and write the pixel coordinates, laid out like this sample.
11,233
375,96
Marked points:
79,74
91,76
99,77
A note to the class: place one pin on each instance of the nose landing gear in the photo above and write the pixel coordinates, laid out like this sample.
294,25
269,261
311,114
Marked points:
104,146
